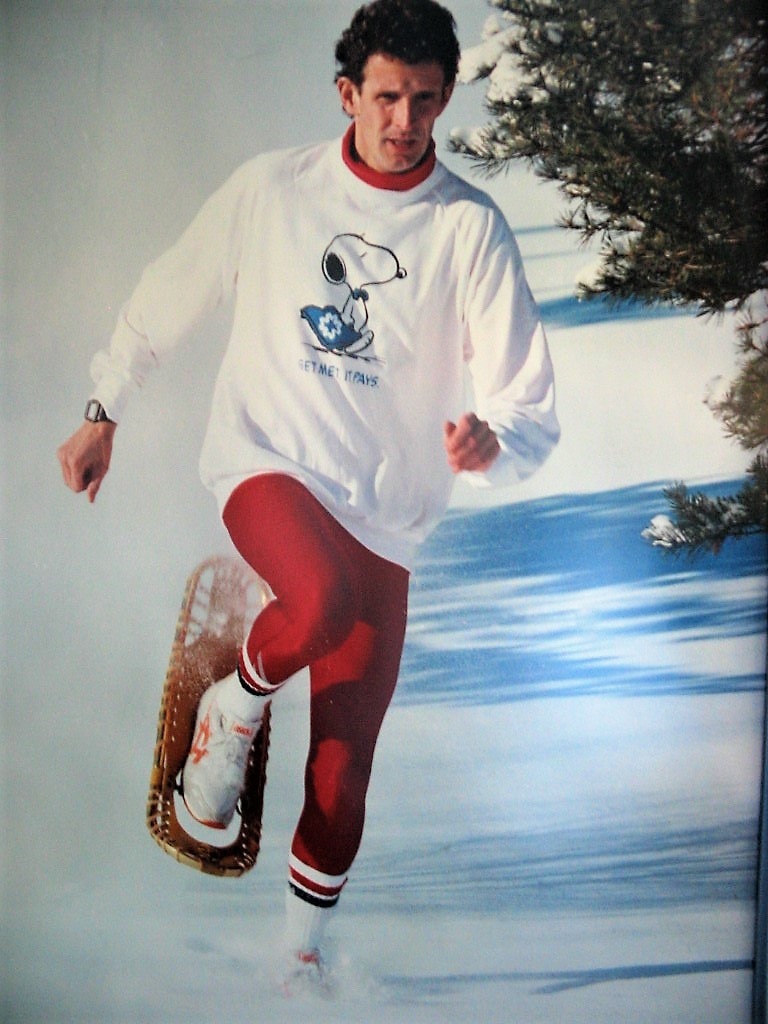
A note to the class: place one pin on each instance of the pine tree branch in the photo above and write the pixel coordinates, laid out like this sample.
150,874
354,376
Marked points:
700,523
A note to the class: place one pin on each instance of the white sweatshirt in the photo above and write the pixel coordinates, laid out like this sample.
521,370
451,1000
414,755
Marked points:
355,311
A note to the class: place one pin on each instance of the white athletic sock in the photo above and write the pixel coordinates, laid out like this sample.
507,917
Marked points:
236,700
305,924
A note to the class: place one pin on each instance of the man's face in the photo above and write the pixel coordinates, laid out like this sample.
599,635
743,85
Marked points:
394,111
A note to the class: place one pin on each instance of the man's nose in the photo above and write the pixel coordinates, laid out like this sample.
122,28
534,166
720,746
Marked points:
405,113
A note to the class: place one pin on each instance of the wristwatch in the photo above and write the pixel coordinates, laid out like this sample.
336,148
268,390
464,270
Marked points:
95,412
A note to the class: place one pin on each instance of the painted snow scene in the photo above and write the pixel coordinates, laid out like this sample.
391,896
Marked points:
562,823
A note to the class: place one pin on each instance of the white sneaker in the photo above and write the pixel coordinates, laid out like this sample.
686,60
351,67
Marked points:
214,773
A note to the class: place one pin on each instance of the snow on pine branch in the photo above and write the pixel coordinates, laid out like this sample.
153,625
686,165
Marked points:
491,60
478,61
663,533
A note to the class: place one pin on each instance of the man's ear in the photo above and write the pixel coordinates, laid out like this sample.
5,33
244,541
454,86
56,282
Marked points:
349,95
447,93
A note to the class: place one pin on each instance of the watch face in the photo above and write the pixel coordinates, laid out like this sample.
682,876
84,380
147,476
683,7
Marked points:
94,411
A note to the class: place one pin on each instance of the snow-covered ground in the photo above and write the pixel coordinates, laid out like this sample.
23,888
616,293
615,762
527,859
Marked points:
520,865
562,821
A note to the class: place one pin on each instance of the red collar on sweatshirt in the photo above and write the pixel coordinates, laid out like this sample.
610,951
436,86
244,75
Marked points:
380,179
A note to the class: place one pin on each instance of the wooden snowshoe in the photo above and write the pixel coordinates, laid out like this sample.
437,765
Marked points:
221,600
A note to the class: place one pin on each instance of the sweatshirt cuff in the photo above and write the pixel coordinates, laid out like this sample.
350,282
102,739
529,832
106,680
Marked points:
524,449
120,370
110,389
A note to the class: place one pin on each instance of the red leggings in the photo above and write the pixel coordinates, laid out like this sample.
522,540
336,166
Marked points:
341,610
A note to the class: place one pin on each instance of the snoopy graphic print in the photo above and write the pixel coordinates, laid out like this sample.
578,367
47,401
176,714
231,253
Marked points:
354,265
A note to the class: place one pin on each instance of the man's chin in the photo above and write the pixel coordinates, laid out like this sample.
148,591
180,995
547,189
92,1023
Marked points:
399,159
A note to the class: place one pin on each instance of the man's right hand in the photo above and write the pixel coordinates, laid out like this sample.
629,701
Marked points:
85,457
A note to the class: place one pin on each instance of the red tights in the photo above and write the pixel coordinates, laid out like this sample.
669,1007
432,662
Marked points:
341,610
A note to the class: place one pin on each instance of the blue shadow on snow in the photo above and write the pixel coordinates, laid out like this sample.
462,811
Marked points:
562,596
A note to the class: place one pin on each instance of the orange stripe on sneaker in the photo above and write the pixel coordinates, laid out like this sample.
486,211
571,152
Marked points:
199,747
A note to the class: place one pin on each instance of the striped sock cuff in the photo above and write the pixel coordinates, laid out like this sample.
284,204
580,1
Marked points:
251,679
312,885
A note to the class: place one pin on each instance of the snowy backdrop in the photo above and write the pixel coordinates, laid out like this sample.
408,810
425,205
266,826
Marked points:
562,823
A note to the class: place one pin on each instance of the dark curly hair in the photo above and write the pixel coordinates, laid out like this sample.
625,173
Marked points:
413,31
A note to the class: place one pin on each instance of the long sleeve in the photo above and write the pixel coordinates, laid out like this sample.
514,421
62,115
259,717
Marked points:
174,294
509,362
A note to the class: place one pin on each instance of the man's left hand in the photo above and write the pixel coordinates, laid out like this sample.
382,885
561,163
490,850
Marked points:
470,444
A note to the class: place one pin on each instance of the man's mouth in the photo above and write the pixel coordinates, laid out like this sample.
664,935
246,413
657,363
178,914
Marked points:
400,145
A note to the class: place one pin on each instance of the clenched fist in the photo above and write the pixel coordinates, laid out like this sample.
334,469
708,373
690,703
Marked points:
470,444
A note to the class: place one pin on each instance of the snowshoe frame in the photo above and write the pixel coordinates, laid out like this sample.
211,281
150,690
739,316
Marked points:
221,599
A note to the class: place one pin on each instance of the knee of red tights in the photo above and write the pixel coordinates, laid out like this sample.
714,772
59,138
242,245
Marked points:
326,618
